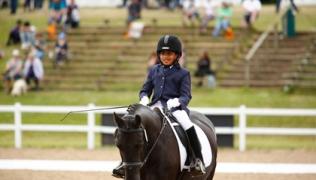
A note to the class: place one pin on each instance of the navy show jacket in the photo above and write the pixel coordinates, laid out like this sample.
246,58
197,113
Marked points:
168,83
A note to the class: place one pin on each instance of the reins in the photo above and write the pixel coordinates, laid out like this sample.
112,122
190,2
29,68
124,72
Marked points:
142,163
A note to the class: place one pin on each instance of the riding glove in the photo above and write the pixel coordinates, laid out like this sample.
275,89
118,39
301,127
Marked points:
172,103
144,101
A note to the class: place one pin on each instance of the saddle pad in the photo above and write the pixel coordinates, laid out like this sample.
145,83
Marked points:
205,145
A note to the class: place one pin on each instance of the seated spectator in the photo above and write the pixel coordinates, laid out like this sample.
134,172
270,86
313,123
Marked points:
57,10
51,31
208,15
190,12
61,50
134,11
153,60
223,16
13,70
40,45
33,70
14,35
73,17
252,9
27,35
203,68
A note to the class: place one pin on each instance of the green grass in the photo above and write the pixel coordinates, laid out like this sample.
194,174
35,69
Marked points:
220,97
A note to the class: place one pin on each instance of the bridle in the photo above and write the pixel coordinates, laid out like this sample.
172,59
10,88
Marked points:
142,130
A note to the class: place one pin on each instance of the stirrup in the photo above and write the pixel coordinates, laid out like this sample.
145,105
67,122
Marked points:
199,166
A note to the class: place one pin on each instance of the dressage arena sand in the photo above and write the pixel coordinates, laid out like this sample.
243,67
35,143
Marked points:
225,155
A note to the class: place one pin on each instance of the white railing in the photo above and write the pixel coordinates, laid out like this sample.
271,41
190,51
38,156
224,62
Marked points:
91,128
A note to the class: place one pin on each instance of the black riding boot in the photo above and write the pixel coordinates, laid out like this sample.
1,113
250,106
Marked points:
119,171
196,147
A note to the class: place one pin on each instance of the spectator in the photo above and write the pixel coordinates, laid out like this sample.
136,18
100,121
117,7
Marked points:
57,10
203,68
33,70
40,46
124,2
223,16
13,6
252,9
134,11
208,15
190,12
52,30
278,4
14,35
153,60
27,35
38,4
73,17
61,50
13,70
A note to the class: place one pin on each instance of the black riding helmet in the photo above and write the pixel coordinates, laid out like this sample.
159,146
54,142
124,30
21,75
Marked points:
171,43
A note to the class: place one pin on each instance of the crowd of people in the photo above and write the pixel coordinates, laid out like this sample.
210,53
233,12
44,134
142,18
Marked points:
31,46
64,14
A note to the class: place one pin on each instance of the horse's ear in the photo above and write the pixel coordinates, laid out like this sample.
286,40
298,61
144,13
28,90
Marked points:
138,120
119,121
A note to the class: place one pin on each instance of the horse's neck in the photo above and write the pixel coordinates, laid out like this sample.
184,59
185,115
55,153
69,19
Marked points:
153,125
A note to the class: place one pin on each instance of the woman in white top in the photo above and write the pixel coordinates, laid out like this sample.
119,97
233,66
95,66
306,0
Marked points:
252,9
33,69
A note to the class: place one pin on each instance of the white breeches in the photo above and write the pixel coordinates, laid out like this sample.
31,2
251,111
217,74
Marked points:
181,116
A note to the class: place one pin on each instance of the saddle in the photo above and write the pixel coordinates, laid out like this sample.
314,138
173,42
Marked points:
181,134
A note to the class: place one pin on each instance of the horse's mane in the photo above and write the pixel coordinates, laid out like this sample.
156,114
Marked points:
143,111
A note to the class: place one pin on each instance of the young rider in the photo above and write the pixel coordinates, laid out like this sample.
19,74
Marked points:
171,88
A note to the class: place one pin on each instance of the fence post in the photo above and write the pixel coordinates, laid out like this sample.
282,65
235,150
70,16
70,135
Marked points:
91,125
17,126
242,128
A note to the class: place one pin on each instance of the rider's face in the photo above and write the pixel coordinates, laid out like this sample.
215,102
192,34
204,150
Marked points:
167,57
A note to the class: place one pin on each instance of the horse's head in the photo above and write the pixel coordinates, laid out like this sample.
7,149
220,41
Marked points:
130,140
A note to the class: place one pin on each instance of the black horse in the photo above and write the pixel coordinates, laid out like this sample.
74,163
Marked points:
148,148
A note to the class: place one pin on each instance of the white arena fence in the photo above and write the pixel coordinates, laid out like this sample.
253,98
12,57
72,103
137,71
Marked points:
91,128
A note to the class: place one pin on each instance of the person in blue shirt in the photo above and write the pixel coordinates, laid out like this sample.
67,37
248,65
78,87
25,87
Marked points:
170,87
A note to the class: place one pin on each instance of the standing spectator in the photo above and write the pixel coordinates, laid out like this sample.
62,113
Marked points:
203,68
73,17
57,10
14,35
61,49
27,35
252,9
13,70
134,11
278,5
190,12
13,6
208,15
223,16
33,70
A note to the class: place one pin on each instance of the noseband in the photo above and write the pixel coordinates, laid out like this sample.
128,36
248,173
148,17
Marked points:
142,130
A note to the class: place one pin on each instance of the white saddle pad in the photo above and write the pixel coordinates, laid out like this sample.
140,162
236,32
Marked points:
205,146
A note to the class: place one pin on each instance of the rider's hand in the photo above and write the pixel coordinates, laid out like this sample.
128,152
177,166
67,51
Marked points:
144,101
172,103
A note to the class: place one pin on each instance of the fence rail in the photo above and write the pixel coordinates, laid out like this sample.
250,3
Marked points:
91,128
